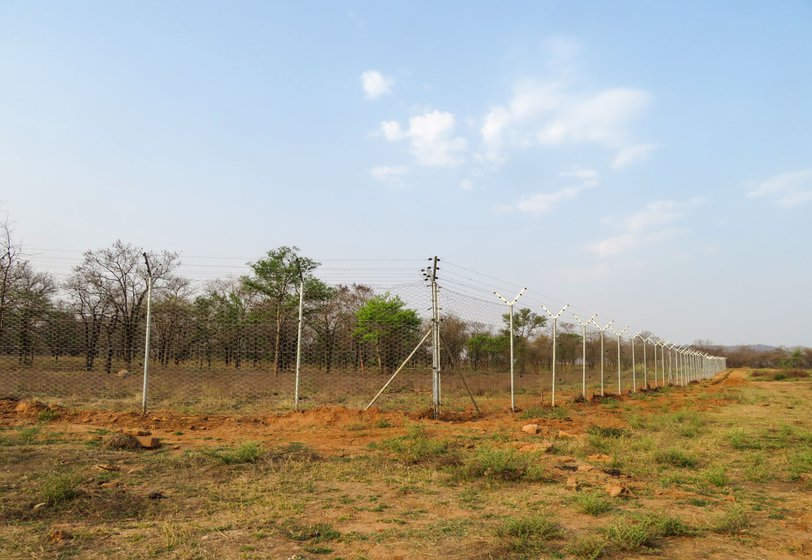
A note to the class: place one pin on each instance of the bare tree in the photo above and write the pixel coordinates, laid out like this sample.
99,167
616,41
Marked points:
121,272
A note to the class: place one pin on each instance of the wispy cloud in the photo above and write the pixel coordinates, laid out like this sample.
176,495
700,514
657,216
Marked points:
541,203
652,224
550,114
587,177
388,174
375,84
634,153
788,189
432,138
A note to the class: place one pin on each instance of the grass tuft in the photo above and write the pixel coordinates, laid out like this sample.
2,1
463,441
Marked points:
60,488
676,458
731,522
531,533
249,452
593,503
503,464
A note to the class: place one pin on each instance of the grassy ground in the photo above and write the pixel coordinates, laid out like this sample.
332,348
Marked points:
719,470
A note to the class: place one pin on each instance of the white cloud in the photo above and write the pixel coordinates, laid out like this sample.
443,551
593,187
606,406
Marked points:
632,154
387,173
788,189
466,185
391,130
431,138
588,177
540,203
549,114
375,84
644,227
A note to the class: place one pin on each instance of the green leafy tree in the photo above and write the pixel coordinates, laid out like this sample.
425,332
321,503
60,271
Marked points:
276,277
525,324
385,321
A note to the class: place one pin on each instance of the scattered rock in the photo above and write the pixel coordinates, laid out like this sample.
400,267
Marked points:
148,442
531,429
120,441
40,505
617,491
542,447
572,483
600,458
137,432
57,536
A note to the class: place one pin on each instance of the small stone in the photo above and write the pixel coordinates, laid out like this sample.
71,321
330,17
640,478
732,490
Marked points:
155,496
111,484
176,447
40,505
122,373
617,490
542,447
572,483
137,432
58,535
531,428
148,442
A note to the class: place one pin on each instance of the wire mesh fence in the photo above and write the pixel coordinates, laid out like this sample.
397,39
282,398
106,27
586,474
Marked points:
281,338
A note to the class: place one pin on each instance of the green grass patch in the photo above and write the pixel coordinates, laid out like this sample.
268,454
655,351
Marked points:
311,533
528,534
676,458
717,476
631,533
607,431
733,521
249,452
592,503
60,488
589,547
417,447
503,464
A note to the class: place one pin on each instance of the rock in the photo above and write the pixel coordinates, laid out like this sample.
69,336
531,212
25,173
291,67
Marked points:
137,432
600,458
176,447
531,429
57,536
155,496
572,483
40,505
617,491
123,373
542,447
120,441
148,442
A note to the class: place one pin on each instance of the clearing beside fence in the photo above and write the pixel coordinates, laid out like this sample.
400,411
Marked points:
720,469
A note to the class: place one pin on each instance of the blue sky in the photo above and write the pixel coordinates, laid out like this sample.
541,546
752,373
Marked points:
648,161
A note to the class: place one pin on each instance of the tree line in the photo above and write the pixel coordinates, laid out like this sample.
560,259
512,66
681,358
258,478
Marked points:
97,317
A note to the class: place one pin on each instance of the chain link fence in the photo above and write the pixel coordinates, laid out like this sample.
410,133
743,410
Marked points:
227,348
